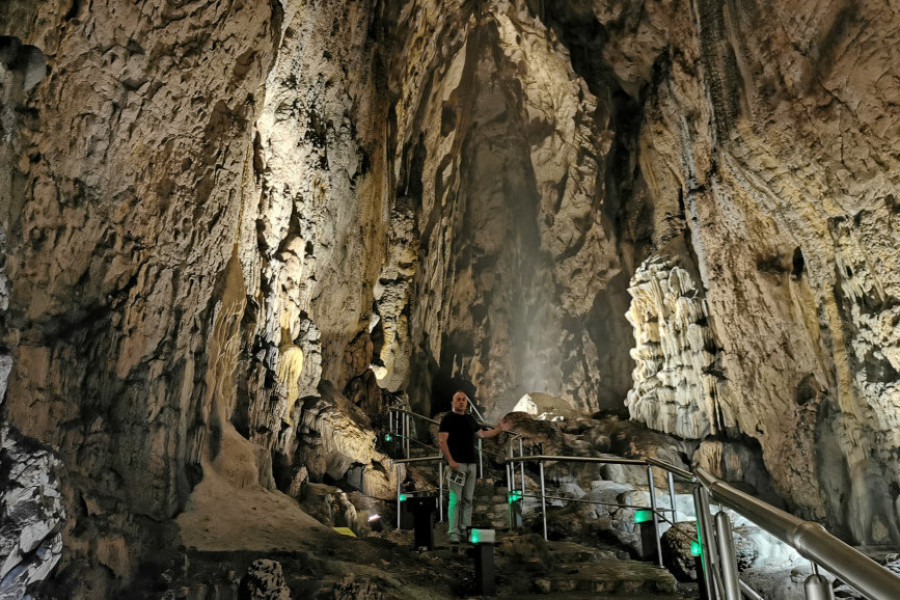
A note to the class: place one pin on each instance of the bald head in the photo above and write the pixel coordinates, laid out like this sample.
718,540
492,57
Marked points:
460,403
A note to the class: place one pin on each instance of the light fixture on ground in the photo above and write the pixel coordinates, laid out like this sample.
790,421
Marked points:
483,553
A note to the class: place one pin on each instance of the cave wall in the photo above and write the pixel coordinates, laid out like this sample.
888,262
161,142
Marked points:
192,219
504,151
769,134
233,231
130,158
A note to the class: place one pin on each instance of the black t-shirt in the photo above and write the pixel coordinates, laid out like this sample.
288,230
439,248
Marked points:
461,440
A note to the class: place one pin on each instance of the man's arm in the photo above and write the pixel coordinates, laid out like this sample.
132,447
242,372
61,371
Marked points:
489,433
443,436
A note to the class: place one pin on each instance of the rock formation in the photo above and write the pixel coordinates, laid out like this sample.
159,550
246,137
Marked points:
234,231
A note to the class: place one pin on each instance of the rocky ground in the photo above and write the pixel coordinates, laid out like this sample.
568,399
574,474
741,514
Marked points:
257,543
385,566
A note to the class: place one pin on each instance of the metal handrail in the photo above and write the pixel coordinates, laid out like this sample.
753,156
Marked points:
542,458
583,459
809,539
407,438
596,502
670,468
406,461
415,414
481,420
440,460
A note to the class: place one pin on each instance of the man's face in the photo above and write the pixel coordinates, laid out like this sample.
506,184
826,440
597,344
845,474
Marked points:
460,403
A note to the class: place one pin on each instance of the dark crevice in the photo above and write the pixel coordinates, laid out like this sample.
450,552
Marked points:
73,10
798,264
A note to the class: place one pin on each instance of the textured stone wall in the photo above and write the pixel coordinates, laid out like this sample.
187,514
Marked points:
675,388
505,149
193,232
769,135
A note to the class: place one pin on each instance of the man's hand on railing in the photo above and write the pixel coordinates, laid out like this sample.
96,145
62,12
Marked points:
504,425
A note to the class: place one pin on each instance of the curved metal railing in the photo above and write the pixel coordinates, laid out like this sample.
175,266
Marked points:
718,562
400,423
657,512
425,459
810,540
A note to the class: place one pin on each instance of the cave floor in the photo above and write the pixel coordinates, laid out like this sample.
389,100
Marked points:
226,531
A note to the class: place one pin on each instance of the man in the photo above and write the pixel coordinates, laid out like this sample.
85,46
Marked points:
456,437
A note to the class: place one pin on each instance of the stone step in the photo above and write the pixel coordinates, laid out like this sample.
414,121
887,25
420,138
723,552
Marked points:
569,552
590,596
607,577
526,566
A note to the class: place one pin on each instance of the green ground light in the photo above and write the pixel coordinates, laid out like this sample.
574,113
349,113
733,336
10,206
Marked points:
402,497
642,516
514,496
695,548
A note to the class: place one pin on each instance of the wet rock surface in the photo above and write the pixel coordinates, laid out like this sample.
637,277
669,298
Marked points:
389,569
677,548
264,580
31,512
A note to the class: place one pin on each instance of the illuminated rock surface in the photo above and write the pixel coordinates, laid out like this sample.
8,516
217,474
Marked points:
233,232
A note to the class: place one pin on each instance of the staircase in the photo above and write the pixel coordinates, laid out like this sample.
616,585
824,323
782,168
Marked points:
527,566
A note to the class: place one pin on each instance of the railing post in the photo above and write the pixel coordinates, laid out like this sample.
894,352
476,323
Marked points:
703,531
543,500
818,588
406,427
510,521
510,477
727,558
749,592
441,491
397,467
391,421
659,557
672,495
522,466
480,461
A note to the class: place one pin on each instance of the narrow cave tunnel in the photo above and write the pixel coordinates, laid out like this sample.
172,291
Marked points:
252,250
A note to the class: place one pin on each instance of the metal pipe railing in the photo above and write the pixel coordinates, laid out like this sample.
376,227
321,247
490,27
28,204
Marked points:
703,532
597,503
414,414
655,515
687,475
727,557
522,463
585,459
424,459
541,459
405,432
671,480
543,499
749,592
809,539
